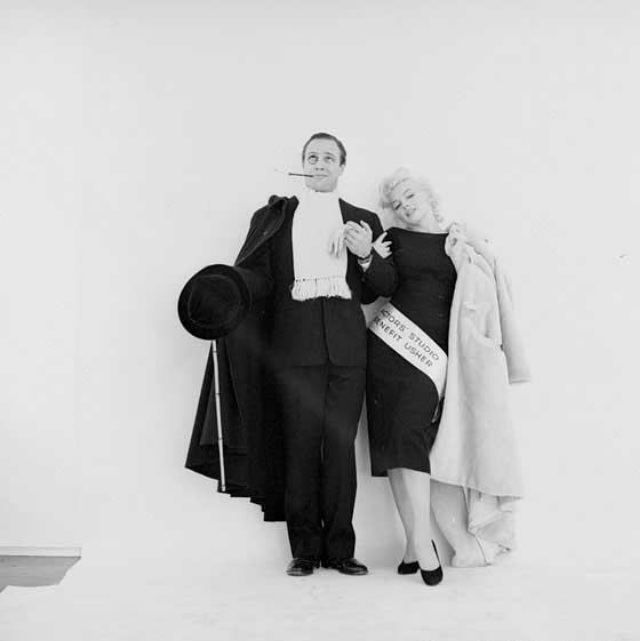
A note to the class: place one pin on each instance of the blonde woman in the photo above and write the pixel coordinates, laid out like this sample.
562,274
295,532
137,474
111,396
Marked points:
447,297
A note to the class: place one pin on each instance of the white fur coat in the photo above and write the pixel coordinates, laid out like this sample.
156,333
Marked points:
476,443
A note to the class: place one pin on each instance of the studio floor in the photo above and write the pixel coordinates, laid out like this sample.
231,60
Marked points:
115,595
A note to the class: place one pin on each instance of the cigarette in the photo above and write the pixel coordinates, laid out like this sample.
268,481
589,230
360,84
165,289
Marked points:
292,173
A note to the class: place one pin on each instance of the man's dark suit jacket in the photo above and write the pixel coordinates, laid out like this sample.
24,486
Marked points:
310,332
278,332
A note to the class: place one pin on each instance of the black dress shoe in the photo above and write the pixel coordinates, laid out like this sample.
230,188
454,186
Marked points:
301,567
352,567
433,577
408,568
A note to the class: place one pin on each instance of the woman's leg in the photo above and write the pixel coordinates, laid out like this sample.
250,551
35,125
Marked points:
404,510
411,490
450,510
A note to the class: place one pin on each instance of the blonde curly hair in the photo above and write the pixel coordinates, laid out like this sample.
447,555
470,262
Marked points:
402,175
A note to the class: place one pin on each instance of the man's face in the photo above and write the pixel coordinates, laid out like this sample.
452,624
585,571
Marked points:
322,161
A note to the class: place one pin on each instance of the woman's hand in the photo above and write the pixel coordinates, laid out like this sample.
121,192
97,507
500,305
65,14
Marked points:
381,246
463,233
358,238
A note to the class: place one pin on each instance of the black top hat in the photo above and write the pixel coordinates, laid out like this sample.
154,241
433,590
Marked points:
214,301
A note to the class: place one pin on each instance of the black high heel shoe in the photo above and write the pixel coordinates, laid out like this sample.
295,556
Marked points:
408,568
433,577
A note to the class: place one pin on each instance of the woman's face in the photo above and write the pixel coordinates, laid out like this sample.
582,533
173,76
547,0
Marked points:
411,204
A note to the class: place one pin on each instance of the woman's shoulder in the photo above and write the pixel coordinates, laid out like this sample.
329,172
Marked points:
408,234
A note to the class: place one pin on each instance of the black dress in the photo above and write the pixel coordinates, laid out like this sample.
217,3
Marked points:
401,400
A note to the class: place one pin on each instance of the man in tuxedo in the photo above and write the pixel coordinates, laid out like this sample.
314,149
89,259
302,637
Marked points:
302,261
318,342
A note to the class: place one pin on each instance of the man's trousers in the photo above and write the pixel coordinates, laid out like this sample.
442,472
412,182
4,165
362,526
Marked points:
321,407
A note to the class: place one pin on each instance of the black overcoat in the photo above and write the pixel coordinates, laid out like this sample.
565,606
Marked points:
253,445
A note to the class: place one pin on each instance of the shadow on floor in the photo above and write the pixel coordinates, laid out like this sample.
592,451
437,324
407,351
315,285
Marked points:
34,571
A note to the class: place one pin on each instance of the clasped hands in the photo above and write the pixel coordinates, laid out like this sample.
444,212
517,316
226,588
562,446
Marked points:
358,238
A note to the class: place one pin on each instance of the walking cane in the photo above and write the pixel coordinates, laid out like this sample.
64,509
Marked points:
218,416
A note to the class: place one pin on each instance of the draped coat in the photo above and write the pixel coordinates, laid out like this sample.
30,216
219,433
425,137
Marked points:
253,443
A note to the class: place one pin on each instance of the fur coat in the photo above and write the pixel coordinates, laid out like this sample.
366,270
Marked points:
476,443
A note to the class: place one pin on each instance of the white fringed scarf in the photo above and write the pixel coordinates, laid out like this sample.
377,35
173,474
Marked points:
319,255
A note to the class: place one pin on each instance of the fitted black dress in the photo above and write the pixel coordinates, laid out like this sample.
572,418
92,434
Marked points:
401,400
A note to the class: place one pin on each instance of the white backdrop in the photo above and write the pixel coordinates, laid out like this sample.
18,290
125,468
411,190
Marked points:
163,124
40,182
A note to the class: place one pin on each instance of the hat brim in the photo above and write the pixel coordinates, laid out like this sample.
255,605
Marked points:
214,301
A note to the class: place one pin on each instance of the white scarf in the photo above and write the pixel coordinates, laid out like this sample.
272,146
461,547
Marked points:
319,255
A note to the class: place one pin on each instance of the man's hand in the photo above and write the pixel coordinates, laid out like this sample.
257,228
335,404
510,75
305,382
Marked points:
358,238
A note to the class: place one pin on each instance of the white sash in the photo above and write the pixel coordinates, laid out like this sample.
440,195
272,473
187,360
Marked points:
414,345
